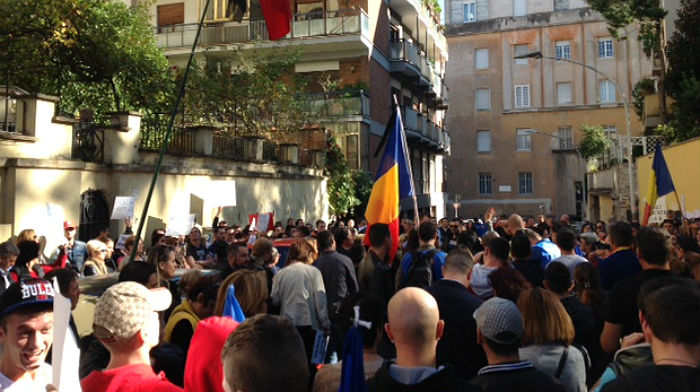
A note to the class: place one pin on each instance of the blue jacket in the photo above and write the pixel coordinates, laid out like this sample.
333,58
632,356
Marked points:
438,261
77,255
619,265
545,251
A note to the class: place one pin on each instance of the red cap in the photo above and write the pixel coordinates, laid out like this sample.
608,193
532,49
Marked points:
68,225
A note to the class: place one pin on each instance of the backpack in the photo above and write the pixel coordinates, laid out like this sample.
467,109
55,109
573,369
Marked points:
420,272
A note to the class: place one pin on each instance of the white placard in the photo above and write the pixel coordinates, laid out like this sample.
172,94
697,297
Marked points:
219,193
179,224
263,222
65,356
504,188
121,241
320,346
123,207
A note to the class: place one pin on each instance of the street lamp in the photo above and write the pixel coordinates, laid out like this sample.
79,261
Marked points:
583,169
625,100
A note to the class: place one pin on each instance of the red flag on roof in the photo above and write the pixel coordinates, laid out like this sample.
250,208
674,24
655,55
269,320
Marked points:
277,15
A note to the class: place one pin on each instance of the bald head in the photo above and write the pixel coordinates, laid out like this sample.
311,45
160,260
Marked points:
515,223
413,319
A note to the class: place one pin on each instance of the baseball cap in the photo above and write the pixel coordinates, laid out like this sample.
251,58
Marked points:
126,308
24,293
68,225
499,320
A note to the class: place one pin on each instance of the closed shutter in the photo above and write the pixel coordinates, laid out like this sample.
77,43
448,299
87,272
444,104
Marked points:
171,14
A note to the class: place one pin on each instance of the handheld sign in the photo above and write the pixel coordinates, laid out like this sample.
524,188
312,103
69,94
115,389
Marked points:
123,207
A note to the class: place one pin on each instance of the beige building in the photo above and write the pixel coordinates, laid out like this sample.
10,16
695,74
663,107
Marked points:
515,123
387,48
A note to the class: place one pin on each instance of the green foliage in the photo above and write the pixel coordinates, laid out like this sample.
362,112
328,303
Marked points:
641,89
433,5
594,142
620,13
92,53
363,188
685,123
341,184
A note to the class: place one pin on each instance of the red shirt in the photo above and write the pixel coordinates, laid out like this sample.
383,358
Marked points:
136,378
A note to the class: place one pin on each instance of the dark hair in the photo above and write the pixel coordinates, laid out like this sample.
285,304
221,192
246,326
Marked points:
304,230
587,287
64,276
28,251
324,239
378,234
341,234
468,240
156,236
541,228
688,244
319,222
137,271
206,285
412,242
502,350
566,238
653,246
558,277
499,247
621,233
427,231
668,221
264,353
672,311
520,246
232,248
507,282
7,249
372,309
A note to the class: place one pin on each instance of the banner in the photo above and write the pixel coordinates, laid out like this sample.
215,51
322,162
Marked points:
123,207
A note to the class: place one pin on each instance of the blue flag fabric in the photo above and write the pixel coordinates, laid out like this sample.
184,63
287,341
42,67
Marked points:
664,183
353,372
232,308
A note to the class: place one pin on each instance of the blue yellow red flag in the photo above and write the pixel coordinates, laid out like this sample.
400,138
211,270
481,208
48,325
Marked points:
660,182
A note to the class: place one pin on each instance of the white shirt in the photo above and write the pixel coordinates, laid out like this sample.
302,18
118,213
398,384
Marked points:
43,377
5,279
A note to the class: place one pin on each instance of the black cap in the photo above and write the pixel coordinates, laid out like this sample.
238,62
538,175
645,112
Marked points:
24,293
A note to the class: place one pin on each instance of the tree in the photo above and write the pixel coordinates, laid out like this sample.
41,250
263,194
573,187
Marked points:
341,184
594,142
92,53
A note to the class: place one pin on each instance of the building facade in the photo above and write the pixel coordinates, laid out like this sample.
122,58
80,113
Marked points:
387,49
516,123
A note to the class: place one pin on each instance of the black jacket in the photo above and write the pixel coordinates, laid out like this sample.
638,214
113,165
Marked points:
376,276
443,381
523,379
458,344
338,278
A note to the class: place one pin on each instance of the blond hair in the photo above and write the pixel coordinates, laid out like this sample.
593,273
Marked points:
545,319
251,292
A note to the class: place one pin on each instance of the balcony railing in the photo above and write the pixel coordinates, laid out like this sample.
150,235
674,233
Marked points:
334,104
304,25
418,124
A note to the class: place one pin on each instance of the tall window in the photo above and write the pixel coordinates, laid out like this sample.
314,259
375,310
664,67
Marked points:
520,50
483,99
483,142
522,96
610,131
525,183
607,91
563,50
523,140
519,7
481,59
605,48
564,93
485,184
566,138
469,11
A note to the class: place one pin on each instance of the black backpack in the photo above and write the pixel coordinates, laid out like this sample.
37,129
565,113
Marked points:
420,273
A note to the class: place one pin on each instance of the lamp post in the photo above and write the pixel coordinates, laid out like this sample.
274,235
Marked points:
625,100
583,168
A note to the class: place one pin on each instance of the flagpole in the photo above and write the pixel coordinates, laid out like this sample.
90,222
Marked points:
680,207
416,218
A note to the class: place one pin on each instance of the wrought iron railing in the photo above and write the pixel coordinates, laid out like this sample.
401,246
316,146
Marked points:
153,130
88,142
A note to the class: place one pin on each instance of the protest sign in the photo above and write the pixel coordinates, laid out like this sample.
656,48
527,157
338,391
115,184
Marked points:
179,224
123,207
218,193
65,356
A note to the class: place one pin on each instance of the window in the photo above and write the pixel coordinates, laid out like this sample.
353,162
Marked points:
525,183
469,11
483,141
481,59
561,5
171,14
524,141
520,50
485,184
605,48
607,91
483,99
566,138
519,7
610,131
522,96
564,93
563,50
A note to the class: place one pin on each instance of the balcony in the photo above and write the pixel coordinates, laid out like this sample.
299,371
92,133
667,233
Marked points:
332,105
407,60
421,129
316,24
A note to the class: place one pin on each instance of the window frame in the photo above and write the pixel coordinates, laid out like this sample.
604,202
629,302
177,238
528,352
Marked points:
485,184
608,51
523,133
523,178
563,145
476,100
483,132
476,58
610,88
563,45
515,53
571,99
465,13
515,96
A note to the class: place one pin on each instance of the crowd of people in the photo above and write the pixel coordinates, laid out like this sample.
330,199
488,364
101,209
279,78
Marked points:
488,304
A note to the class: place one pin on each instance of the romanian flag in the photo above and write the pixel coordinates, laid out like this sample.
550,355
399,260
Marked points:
660,183
393,182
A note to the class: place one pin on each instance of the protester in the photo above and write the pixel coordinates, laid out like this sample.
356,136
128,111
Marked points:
423,266
621,312
264,354
26,334
566,241
623,262
543,249
73,250
237,258
495,256
27,259
514,224
500,332
184,319
163,258
456,304
521,251
250,289
204,370
128,248
95,265
140,272
376,274
547,339
415,328
507,282
8,256
126,323
338,272
670,319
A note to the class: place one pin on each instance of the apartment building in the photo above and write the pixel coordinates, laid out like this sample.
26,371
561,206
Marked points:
388,49
515,123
